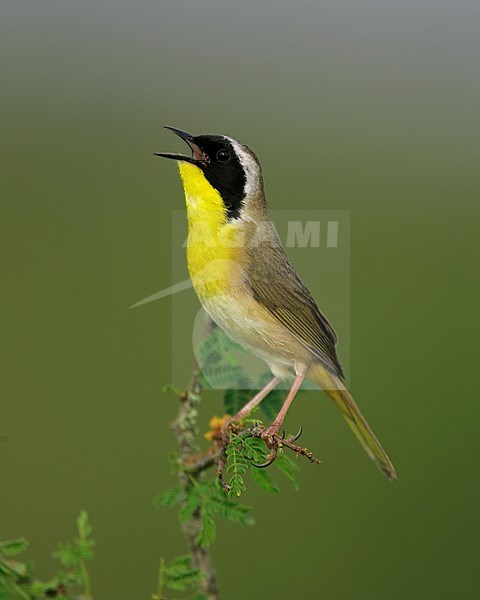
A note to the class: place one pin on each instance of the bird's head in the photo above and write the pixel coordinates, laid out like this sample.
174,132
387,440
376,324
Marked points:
222,163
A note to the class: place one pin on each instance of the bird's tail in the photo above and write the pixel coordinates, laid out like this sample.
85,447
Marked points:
337,391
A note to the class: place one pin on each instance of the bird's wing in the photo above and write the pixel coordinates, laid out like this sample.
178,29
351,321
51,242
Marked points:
276,284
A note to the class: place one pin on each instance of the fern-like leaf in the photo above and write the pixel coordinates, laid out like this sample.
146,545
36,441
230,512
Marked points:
253,449
13,547
234,399
230,510
190,505
66,554
222,376
217,347
179,574
208,528
271,405
264,480
237,467
237,485
208,351
83,525
169,497
288,468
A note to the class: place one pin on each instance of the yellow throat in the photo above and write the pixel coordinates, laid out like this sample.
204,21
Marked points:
212,244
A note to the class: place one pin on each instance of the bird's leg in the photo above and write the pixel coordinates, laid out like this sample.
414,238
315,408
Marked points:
270,435
274,428
243,412
250,405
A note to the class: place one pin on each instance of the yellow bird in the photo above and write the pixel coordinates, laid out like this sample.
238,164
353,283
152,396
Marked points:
248,286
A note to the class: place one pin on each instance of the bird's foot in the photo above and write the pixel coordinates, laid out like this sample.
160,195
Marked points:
272,438
275,442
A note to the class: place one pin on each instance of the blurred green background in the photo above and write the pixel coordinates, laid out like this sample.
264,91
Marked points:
362,106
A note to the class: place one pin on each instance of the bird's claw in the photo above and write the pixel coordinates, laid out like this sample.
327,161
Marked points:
271,456
295,437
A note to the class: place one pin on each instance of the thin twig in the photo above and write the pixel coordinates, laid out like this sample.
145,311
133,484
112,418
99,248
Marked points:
191,467
202,462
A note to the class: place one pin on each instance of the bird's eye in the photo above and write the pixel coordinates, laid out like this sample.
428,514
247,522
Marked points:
223,155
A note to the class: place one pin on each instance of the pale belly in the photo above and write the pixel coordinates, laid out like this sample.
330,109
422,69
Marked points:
249,324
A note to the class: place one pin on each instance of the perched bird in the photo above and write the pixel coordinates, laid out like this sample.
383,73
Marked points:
248,286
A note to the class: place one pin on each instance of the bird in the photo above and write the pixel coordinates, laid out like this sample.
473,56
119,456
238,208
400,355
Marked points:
248,286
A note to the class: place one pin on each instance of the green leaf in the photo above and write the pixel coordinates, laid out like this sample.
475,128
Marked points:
191,503
264,480
49,587
72,555
288,468
222,375
208,528
237,485
253,449
218,360
13,547
66,554
179,563
217,348
228,509
234,399
19,590
208,347
17,579
241,449
84,527
235,461
170,497
272,404
179,574
84,549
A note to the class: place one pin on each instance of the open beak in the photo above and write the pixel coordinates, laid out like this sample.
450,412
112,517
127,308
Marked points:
198,157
